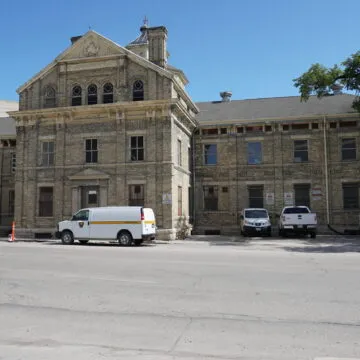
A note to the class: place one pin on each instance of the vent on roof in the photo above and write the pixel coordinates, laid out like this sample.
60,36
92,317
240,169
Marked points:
226,96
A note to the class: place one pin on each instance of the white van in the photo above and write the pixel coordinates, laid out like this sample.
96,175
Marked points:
254,221
127,224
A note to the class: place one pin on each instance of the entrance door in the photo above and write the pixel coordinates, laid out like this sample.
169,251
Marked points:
90,196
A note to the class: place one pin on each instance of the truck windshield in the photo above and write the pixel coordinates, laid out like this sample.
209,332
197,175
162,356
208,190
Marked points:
256,214
297,210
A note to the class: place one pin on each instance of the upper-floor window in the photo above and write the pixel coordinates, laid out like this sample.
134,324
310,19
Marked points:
108,93
138,90
49,97
348,149
210,154
92,94
137,148
254,153
179,153
13,162
91,151
76,96
47,155
301,151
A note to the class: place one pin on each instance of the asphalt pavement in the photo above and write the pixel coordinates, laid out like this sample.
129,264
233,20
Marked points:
209,299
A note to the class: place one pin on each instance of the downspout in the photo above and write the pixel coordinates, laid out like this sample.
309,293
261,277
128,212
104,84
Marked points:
326,174
193,210
1,183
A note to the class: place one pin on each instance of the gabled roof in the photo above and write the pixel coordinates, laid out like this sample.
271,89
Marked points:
136,58
7,127
274,108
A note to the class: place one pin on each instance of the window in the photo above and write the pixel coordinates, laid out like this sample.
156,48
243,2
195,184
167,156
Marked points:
213,131
179,154
91,151
345,124
210,198
13,162
11,202
223,130
190,159
82,215
47,155
46,201
76,94
239,129
136,195
301,151
92,197
302,195
300,127
315,126
92,94
49,97
137,148
179,200
348,149
254,128
256,196
285,127
108,93
268,128
210,154
254,153
351,196
138,90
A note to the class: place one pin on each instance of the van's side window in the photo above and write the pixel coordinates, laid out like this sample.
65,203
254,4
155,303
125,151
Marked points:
81,215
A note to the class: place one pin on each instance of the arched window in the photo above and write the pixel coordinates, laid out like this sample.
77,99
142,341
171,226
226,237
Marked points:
108,93
138,90
49,97
92,94
76,96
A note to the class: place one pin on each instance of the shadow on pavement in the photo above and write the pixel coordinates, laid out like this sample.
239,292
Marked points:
96,244
341,245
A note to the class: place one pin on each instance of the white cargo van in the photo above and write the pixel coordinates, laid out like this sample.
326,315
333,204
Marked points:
127,224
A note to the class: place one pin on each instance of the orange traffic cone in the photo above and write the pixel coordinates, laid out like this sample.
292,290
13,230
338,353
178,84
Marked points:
12,235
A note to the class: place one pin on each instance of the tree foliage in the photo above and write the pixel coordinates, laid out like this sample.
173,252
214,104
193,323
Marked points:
322,81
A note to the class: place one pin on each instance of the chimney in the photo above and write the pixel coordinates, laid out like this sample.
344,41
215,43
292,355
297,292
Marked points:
74,39
226,96
157,37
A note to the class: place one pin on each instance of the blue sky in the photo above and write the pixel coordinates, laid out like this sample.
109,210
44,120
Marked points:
253,48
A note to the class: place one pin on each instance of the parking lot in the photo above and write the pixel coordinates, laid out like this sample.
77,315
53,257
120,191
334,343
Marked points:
208,297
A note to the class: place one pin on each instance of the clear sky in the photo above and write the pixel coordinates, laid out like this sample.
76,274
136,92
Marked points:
253,48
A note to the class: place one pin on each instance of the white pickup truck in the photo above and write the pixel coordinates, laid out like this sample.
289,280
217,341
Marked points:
297,220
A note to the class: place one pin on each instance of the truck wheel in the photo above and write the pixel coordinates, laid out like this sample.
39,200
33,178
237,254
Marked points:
269,233
138,242
282,233
313,235
83,242
125,238
67,237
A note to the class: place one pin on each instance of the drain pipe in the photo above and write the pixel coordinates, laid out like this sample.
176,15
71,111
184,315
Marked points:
326,174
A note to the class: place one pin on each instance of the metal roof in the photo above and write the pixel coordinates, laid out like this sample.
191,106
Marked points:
7,105
7,127
274,108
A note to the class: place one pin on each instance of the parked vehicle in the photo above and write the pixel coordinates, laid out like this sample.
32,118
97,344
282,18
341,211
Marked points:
297,220
255,221
127,224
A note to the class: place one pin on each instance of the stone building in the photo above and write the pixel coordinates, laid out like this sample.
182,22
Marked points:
104,125
275,152
110,125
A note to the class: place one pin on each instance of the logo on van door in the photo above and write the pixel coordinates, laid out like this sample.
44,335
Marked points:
81,224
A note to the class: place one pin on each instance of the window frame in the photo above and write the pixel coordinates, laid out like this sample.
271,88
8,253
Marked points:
295,151
136,150
92,96
180,201
76,100
300,187
92,151
355,199
208,154
108,97
179,152
249,143
251,199
49,100
138,90
136,200
344,150
211,202
46,204
48,155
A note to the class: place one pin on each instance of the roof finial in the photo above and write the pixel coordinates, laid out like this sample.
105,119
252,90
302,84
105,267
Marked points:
146,21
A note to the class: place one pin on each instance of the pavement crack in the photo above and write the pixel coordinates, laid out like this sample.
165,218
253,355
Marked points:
186,327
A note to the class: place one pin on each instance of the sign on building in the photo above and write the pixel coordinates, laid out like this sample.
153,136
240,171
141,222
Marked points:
166,199
316,193
270,198
288,198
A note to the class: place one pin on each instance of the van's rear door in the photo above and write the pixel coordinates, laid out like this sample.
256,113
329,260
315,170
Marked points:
148,221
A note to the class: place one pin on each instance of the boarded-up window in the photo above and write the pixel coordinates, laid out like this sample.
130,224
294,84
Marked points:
302,194
136,195
210,198
256,196
46,201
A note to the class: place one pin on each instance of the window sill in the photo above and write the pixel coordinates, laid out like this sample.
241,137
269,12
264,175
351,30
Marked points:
45,217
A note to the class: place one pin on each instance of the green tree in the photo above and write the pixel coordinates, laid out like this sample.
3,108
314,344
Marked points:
322,81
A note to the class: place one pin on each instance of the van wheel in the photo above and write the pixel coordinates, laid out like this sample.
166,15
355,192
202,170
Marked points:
83,242
125,238
313,235
67,237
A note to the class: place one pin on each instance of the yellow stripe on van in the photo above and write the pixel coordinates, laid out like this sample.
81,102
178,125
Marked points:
150,222
114,222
